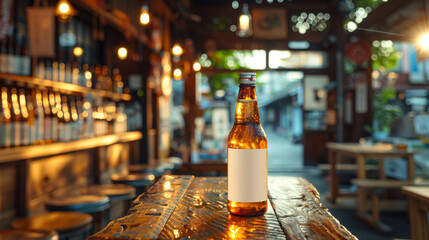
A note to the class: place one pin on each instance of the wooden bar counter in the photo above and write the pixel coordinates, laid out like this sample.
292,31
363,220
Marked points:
196,208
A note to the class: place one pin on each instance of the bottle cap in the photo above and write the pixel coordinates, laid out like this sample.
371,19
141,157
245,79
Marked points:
247,78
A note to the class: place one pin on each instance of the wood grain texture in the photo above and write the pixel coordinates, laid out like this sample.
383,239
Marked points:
179,207
39,151
150,211
300,213
202,214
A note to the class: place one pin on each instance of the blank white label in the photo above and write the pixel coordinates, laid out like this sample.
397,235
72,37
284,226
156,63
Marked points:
247,175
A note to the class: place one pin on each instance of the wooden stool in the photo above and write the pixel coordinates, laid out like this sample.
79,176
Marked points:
140,181
28,234
147,169
117,193
67,224
96,205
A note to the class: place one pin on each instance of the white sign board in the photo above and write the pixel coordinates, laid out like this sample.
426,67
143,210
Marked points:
421,124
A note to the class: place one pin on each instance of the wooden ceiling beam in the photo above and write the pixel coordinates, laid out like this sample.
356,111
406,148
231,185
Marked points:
381,13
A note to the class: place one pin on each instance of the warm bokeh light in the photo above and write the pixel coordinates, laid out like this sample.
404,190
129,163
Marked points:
177,74
64,10
122,53
177,50
64,7
166,85
424,41
144,15
77,51
196,66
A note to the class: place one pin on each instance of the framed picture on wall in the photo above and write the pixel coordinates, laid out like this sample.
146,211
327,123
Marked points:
269,23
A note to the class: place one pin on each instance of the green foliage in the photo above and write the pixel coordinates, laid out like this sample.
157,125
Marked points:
384,112
230,59
386,57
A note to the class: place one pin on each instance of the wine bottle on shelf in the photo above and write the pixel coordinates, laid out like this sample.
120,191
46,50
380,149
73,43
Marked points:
24,124
18,59
47,120
54,120
40,119
25,59
11,55
80,119
60,115
48,70
62,71
6,116
3,56
68,73
75,73
74,119
55,71
16,118
97,84
66,111
118,85
40,71
32,115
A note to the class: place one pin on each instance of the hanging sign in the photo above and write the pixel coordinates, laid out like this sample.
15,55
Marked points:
41,26
358,52
6,7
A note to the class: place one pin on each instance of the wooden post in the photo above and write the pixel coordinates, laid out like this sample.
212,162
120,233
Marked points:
190,104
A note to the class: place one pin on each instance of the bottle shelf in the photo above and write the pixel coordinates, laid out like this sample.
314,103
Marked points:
38,151
64,87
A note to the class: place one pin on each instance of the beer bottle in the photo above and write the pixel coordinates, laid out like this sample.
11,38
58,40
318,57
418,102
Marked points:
247,154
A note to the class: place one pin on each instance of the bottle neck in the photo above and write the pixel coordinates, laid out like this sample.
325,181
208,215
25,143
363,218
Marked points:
247,110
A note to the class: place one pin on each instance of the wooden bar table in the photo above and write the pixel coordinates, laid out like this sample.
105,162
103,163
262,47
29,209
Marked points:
418,202
184,206
360,152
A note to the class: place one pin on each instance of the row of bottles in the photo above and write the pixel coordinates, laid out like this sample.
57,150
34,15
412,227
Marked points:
96,77
37,116
14,58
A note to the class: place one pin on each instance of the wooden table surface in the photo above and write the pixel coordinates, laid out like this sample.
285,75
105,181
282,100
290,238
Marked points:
196,207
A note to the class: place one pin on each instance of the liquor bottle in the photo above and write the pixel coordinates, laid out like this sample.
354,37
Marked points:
16,118
11,55
40,73
48,70
25,59
55,71
40,119
62,72
3,56
54,118
32,115
247,154
118,85
6,116
47,123
66,129
25,126
74,118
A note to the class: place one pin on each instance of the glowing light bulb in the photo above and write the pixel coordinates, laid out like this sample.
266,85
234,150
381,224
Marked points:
196,66
77,51
64,7
122,53
177,50
144,15
177,74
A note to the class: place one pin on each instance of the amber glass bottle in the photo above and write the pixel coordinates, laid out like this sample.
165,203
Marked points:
247,154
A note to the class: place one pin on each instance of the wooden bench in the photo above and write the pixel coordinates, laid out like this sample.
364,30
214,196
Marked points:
418,201
370,187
